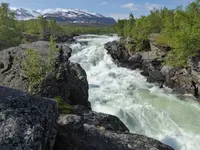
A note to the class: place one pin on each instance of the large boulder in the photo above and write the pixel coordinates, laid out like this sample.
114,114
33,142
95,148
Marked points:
121,55
117,50
136,58
26,122
11,59
74,132
152,60
169,72
156,77
67,80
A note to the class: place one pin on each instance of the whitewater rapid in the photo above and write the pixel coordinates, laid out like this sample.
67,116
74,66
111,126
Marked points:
143,107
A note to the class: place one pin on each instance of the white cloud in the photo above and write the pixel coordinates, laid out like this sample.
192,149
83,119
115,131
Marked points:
152,6
130,6
104,3
119,16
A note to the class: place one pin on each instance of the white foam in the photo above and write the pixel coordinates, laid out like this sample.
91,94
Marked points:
143,107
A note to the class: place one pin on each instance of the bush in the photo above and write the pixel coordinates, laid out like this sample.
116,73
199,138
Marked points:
162,39
35,67
185,44
52,53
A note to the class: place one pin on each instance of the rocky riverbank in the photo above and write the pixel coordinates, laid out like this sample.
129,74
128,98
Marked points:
181,80
32,122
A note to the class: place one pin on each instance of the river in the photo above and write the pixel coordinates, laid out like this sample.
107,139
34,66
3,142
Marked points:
143,107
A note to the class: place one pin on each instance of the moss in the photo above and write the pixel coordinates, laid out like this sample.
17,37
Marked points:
101,128
63,107
130,47
58,75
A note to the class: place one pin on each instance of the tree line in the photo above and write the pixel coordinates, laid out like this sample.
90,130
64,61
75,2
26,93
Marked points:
14,32
178,28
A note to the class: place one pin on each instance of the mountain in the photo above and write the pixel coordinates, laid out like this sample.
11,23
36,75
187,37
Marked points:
25,14
65,15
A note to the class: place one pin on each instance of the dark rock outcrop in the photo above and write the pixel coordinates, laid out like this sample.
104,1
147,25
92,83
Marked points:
147,61
133,60
121,56
26,122
67,80
156,77
169,73
117,51
77,133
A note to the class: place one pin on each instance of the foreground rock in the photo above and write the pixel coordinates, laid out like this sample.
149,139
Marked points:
11,73
26,122
76,132
67,80
29,122
109,122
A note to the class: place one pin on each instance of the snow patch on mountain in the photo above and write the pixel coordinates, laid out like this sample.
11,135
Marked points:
63,15
26,14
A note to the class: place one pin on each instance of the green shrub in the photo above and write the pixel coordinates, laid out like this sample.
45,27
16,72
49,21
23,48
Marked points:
52,53
162,39
34,68
186,43
63,107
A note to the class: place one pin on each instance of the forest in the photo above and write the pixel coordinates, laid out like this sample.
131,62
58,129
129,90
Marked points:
178,28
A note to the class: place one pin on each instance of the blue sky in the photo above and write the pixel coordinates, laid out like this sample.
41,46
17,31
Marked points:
113,8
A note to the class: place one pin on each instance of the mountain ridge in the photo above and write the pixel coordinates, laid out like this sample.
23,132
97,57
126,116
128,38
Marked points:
64,15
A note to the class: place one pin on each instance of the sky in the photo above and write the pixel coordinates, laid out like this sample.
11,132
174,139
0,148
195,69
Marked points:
117,9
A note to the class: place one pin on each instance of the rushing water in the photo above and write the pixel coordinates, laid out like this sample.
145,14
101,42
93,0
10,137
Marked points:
143,107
